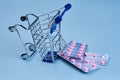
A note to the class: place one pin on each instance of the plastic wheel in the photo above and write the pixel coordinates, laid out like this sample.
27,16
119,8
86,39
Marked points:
24,56
32,47
11,28
23,18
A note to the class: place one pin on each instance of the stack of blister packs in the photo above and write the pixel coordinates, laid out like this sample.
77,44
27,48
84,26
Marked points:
76,54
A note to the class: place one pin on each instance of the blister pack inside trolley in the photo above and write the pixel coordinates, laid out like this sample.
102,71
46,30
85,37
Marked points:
47,40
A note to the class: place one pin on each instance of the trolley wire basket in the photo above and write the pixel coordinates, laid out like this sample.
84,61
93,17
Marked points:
45,32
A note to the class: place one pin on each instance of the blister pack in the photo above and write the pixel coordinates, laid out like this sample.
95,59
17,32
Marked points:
76,54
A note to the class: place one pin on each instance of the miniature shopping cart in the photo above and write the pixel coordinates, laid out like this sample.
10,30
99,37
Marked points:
45,32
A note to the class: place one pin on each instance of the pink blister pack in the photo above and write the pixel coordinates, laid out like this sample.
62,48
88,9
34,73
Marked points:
76,54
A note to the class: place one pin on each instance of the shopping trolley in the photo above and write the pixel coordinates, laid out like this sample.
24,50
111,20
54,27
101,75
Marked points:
46,34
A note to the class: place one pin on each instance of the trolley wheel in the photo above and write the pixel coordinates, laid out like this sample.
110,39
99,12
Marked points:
11,28
24,56
23,18
32,47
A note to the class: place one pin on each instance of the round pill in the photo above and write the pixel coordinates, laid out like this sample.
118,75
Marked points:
93,65
101,62
81,58
94,55
79,65
79,55
85,69
73,42
80,51
67,57
86,61
73,45
73,61
82,46
68,53
86,54
69,49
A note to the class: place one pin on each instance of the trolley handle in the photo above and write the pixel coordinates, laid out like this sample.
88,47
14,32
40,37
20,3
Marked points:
58,19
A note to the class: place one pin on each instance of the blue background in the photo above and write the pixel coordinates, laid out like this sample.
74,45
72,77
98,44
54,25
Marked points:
96,22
